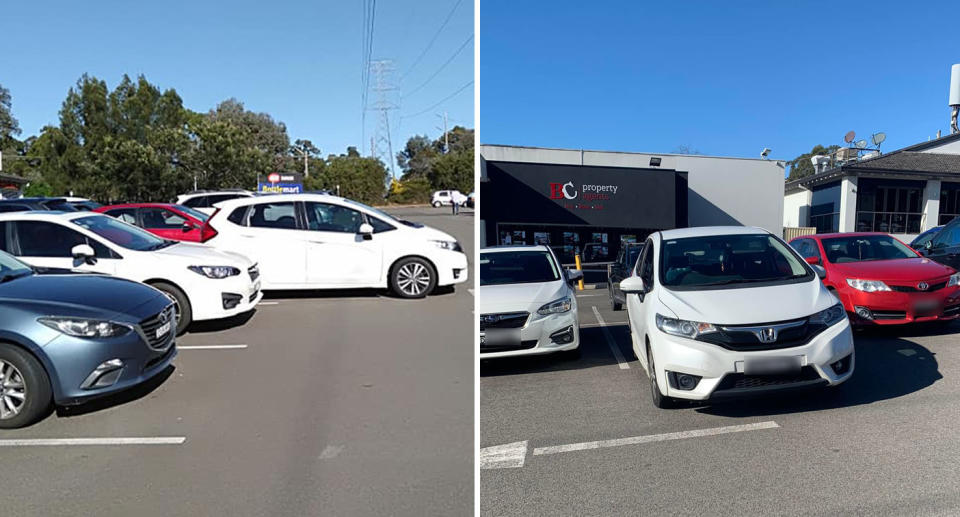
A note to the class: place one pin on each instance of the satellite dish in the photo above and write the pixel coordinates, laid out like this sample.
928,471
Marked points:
878,138
861,144
849,137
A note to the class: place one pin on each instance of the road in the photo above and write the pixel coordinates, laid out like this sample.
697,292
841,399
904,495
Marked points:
344,403
581,437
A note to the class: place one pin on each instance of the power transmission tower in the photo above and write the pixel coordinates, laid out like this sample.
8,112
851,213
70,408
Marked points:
386,91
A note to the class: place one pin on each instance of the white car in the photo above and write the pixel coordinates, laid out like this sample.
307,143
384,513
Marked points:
727,311
446,198
526,303
204,283
319,241
203,200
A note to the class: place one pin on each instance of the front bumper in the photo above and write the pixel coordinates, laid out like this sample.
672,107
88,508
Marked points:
714,363
451,268
535,336
898,308
208,296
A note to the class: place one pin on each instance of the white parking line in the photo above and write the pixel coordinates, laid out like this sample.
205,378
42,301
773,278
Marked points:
610,342
589,295
155,440
470,291
635,440
268,303
604,324
507,456
211,347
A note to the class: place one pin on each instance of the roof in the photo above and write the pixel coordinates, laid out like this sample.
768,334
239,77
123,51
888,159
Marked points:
43,215
710,231
272,198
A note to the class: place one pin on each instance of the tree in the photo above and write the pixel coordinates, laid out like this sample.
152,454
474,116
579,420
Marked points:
9,127
415,158
801,166
453,171
359,178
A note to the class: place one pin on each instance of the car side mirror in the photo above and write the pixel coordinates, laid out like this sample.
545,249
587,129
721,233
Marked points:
633,285
187,226
821,272
84,252
928,245
812,260
573,275
366,231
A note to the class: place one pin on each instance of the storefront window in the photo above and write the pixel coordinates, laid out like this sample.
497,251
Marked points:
889,206
949,202
825,208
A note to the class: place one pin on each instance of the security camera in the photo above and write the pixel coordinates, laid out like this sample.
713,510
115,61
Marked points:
765,152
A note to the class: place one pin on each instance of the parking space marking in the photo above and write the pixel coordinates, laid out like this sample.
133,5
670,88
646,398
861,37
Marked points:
604,324
589,295
650,438
506,456
610,342
268,303
150,440
211,347
470,291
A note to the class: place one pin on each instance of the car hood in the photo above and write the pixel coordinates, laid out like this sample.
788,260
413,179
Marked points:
203,255
430,234
85,295
907,270
744,306
518,297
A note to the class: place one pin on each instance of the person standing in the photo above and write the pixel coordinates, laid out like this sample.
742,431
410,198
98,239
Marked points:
456,199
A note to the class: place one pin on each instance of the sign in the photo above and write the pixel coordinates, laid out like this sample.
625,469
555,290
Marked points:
281,183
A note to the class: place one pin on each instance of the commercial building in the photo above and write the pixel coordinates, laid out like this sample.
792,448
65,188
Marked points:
592,200
902,193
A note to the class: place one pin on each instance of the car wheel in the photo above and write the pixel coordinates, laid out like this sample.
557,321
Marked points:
181,305
412,277
614,304
25,393
659,399
437,204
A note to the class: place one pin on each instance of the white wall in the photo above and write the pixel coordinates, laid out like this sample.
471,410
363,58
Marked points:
796,209
947,148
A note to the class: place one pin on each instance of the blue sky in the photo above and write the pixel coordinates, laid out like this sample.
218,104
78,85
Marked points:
298,60
724,78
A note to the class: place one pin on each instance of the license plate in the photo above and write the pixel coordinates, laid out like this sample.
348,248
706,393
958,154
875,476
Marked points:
163,329
926,305
775,365
501,337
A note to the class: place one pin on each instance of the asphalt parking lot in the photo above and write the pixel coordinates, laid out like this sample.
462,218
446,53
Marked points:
581,437
342,403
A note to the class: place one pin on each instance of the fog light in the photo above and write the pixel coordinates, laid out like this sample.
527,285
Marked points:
456,274
562,337
106,374
842,366
231,300
683,381
863,312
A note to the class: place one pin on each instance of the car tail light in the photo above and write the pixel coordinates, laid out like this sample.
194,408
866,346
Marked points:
208,232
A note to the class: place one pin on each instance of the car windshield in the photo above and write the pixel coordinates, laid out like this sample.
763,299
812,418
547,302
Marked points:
633,252
11,268
380,213
517,267
718,260
196,214
863,248
121,233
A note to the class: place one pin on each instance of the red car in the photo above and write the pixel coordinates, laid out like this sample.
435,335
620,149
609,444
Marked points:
174,222
881,280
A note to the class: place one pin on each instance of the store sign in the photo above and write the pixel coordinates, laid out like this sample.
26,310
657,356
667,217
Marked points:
281,183
590,192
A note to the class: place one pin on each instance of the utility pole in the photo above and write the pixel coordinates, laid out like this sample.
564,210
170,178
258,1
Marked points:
446,138
385,90
306,163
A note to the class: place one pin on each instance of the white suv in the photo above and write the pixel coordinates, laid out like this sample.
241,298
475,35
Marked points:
727,311
445,197
204,283
526,303
203,200
319,241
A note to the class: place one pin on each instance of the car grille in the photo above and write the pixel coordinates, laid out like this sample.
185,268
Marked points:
889,315
913,288
737,337
524,345
254,272
740,381
950,311
504,320
149,326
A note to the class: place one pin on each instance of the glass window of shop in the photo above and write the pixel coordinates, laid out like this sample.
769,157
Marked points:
889,206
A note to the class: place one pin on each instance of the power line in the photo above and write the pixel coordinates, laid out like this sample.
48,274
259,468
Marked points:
444,65
370,12
445,99
432,40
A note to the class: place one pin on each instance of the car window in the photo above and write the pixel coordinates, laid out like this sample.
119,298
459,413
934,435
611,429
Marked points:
274,215
121,233
196,214
948,236
127,215
197,202
725,260
212,200
517,267
10,207
326,217
646,265
380,226
865,248
237,216
161,218
45,239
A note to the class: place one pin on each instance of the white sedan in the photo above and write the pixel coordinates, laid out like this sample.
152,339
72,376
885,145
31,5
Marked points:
319,241
204,283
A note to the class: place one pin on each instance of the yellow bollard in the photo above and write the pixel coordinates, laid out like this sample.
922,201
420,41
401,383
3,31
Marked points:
576,259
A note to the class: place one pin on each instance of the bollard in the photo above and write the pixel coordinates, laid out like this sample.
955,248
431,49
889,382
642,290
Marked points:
576,260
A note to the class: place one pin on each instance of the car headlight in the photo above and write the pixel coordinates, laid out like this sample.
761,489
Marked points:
448,245
829,316
79,327
954,280
867,286
556,307
215,271
683,328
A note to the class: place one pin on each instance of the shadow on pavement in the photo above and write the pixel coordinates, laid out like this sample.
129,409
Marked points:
593,352
200,327
123,397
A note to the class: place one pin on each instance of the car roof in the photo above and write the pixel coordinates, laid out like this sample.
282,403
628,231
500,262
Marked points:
46,215
710,231
254,200
139,205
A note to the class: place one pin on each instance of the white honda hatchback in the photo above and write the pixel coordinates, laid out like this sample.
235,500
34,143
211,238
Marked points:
720,312
204,283
319,241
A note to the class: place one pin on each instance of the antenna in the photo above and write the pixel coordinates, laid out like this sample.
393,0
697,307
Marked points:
861,144
848,138
878,138
954,101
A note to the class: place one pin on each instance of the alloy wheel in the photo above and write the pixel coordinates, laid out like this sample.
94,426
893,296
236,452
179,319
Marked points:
413,278
13,391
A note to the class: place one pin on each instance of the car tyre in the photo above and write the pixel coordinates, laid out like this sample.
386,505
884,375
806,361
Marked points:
614,304
437,204
659,399
412,277
22,375
183,307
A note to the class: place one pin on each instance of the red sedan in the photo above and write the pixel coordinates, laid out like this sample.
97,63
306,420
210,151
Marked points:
881,280
174,222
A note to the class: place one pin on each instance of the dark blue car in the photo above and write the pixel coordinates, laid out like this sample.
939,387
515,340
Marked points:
66,338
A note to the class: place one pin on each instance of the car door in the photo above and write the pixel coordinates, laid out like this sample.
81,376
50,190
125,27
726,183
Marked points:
50,244
168,224
945,246
270,234
637,304
337,255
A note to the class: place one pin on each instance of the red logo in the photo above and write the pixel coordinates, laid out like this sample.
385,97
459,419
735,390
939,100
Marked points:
559,191
273,178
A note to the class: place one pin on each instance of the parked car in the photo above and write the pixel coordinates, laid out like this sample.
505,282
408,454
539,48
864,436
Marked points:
728,311
26,204
526,303
175,222
444,197
203,200
204,283
944,247
82,204
620,269
472,200
880,280
316,241
921,240
68,338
